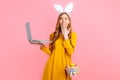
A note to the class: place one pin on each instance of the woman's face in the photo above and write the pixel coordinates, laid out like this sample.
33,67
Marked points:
64,20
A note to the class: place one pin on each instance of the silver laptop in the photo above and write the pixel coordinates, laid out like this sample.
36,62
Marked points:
29,36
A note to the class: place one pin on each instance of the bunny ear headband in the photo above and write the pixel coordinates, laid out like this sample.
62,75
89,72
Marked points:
67,9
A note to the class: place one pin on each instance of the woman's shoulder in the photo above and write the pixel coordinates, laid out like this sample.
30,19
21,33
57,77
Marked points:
52,34
73,34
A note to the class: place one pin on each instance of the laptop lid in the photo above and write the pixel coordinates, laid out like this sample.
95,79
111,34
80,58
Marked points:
28,30
29,36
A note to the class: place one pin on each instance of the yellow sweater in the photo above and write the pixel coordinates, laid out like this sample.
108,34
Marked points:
59,57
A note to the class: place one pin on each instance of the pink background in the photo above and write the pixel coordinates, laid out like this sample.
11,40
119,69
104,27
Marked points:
97,23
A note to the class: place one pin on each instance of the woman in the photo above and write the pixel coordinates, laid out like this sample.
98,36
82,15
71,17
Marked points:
60,50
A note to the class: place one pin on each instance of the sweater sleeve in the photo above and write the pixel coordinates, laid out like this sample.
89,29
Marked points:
47,49
70,44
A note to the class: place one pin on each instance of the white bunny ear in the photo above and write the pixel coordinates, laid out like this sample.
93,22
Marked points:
58,8
69,8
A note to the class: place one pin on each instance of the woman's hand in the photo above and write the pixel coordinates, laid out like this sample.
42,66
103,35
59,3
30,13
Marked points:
41,44
65,32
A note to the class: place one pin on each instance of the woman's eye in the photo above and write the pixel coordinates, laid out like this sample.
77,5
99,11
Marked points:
65,18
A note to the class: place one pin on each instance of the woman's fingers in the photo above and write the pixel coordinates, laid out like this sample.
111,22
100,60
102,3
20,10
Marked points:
41,44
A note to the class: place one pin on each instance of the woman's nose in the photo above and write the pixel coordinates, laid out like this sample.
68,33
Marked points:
63,20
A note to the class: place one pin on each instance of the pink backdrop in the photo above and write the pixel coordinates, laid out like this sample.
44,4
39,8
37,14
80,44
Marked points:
97,23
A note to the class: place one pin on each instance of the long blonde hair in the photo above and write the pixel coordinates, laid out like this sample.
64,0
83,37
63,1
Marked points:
58,29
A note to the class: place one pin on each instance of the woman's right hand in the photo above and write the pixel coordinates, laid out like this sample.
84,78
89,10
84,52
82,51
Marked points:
41,44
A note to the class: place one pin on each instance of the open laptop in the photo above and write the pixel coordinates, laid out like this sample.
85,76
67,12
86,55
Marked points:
29,36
